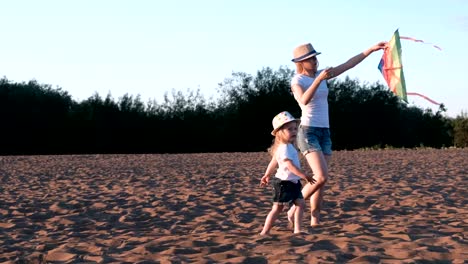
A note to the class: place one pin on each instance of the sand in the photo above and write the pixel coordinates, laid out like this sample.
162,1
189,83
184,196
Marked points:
381,206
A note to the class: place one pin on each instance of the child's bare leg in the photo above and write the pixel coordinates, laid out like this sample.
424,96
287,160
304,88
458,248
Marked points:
272,215
291,212
298,213
307,191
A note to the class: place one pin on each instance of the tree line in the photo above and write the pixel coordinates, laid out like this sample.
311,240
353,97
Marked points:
39,119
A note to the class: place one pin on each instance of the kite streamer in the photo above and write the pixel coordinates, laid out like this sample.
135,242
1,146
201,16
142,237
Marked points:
425,97
392,69
421,41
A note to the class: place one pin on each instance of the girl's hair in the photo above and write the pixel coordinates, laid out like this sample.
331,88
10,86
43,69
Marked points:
299,67
279,138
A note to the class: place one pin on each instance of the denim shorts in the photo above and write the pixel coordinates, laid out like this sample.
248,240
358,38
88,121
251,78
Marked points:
314,139
286,192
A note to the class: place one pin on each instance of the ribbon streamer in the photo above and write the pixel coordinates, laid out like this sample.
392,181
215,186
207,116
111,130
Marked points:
423,96
421,41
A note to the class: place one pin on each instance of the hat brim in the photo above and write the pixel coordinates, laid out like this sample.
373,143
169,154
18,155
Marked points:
306,56
273,133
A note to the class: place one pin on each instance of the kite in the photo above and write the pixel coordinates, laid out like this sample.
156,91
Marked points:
392,69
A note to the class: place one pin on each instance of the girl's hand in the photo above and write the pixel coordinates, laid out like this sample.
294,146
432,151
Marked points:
326,74
379,46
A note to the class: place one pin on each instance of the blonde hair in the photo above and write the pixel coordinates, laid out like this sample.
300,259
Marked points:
299,67
280,138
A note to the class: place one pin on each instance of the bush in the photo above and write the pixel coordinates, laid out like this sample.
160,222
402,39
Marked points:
460,131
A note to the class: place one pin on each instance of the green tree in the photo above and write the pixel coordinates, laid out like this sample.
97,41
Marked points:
33,116
250,102
38,119
460,130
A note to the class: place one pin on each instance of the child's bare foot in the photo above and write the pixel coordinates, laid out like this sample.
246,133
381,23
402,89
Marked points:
264,234
290,223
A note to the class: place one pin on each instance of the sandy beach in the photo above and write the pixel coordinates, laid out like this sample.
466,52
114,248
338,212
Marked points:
382,206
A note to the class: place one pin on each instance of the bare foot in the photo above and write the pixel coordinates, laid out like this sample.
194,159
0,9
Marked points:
314,221
290,223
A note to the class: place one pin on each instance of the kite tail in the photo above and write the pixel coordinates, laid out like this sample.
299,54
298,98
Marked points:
418,40
425,97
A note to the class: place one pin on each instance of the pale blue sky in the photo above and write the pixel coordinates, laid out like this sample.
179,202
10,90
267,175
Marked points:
150,47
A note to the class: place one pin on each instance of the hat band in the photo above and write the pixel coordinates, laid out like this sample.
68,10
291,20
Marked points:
303,56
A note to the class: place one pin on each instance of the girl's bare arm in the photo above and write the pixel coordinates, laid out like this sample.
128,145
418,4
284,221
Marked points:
298,172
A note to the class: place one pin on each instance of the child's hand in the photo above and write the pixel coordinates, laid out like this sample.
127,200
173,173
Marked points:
264,181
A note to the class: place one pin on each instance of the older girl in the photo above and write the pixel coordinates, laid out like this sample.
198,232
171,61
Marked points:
310,90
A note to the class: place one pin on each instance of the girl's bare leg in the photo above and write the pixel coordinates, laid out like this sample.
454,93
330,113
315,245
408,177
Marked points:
319,165
271,217
315,207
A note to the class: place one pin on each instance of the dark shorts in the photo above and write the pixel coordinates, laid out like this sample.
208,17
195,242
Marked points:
286,192
314,139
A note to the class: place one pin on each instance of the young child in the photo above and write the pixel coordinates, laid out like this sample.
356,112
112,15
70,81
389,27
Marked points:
286,183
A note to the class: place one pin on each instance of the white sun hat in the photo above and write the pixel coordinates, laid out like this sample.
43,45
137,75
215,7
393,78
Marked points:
281,119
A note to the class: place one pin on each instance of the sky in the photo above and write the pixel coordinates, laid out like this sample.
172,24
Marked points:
150,47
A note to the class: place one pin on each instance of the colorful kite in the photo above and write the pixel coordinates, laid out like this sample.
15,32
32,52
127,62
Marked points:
392,69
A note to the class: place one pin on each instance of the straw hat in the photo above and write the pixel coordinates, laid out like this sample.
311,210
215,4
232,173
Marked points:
303,52
281,119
